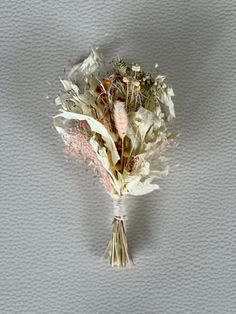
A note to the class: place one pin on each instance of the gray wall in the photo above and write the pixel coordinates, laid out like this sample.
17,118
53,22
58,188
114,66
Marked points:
55,217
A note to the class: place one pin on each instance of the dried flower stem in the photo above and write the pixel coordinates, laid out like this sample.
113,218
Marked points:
127,97
121,123
118,246
122,154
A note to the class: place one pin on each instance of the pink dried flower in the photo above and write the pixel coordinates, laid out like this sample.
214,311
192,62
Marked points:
84,124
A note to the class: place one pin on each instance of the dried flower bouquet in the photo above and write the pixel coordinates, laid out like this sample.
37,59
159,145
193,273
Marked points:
118,123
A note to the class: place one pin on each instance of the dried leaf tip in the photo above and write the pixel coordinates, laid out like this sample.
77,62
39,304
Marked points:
121,118
90,65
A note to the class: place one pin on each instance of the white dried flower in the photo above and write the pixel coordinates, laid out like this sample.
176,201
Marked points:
136,68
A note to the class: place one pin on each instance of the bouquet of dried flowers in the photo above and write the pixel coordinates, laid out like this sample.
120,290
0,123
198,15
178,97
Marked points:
118,123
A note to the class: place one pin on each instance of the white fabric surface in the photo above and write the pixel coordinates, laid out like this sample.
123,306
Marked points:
54,215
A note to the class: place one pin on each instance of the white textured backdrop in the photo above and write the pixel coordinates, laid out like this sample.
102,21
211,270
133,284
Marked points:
55,217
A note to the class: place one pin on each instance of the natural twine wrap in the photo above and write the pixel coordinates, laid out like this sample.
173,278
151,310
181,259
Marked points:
119,208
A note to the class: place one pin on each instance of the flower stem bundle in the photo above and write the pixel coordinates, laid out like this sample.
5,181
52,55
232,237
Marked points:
118,123
118,254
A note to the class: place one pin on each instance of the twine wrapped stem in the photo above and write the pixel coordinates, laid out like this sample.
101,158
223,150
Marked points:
118,254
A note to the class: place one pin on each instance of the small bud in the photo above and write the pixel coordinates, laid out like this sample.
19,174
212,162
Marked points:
136,83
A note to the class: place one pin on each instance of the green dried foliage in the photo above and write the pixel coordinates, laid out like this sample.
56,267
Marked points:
120,66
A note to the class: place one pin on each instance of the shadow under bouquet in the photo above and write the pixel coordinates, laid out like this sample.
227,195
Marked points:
118,123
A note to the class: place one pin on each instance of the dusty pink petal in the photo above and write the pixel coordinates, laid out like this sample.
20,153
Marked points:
79,147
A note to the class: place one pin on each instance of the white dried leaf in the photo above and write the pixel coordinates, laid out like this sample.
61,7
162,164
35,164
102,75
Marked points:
137,187
143,119
170,92
95,127
160,78
90,65
167,101
69,85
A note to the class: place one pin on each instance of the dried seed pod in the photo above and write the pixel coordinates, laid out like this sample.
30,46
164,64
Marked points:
106,84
